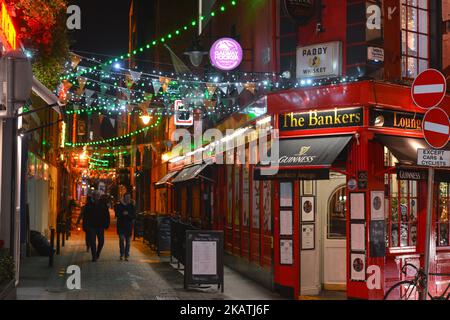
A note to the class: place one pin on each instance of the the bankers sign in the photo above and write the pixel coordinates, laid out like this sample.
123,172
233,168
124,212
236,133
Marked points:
320,60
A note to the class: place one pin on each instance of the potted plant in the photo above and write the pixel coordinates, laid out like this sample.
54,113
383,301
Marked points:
7,275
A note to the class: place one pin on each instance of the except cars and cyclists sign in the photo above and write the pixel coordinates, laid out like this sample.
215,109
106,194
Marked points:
436,128
428,89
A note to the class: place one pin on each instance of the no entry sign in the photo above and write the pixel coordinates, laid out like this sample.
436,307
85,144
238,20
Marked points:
436,128
429,89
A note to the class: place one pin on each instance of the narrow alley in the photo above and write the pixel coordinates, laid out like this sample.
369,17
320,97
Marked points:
146,276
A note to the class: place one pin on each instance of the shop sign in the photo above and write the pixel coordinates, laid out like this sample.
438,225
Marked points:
375,54
411,174
226,54
300,10
8,31
433,158
394,119
336,118
320,60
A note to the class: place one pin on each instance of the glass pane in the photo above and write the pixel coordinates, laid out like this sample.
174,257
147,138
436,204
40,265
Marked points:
246,196
423,46
412,44
423,65
337,226
443,235
423,4
394,235
404,210
423,21
256,206
413,235
267,191
404,68
412,19
403,187
412,68
404,44
413,189
403,17
412,3
394,209
404,235
230,194
413,210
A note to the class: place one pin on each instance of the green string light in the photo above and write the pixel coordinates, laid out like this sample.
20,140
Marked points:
135,52
115,139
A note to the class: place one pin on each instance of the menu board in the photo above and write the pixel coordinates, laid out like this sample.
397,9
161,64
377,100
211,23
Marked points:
204,257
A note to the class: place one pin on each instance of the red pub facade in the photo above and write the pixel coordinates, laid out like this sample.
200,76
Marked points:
347,207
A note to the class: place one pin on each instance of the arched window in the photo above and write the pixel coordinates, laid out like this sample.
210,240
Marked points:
337,226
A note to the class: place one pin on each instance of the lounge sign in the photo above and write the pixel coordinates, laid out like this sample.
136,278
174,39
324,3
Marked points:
395,119
320,60
314,119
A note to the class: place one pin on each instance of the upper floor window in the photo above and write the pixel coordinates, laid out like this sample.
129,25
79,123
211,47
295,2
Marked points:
415,37
443,222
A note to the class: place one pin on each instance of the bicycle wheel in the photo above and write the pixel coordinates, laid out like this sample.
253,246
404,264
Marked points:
404,290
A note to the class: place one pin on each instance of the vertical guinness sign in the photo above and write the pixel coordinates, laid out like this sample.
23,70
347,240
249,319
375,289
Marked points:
300,10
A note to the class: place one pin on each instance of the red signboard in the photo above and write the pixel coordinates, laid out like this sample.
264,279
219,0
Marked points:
7,30
429,89
436,128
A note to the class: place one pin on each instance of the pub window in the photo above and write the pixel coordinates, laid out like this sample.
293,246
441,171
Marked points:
337,228
443,223
401,209
415,37
229,194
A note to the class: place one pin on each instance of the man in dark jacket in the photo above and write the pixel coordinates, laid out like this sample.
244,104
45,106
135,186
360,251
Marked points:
125,213
97,221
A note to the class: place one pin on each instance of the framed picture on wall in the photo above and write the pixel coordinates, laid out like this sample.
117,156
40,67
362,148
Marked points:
286,223
358,206
377,205
308,208
308,236
286,252
308,187
358,266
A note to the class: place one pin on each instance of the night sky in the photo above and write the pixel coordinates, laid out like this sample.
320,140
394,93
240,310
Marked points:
104,27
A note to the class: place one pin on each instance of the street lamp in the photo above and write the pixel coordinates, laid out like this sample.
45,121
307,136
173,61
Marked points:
196,53
146,119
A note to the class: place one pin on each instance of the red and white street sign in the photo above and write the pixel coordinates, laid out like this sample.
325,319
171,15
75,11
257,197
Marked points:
436,128
428,90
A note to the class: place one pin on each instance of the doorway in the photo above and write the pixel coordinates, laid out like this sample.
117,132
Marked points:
323,266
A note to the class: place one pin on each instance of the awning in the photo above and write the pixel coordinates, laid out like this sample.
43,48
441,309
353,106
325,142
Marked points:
403,148
190,173
166,179
45,94
311,158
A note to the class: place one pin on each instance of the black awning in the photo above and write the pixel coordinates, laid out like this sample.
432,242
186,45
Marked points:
166,179
310,152
190,173
403,148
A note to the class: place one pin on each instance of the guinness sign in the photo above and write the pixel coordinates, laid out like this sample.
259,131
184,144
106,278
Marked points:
411,174
300,10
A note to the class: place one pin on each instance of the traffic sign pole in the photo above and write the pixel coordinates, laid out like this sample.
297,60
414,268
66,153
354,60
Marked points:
428,231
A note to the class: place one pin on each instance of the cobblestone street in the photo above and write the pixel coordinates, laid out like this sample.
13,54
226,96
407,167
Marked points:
145,277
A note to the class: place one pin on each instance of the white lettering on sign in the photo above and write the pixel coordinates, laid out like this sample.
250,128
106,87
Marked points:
391,11
374,17
374,278
433,158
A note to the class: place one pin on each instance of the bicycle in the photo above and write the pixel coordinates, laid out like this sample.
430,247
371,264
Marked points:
412,289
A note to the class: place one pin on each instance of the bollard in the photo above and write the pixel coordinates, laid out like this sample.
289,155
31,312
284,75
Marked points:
52,247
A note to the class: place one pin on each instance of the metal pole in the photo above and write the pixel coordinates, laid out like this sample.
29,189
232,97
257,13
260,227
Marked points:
428,231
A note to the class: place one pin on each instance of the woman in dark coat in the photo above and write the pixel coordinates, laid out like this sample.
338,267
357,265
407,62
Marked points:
125,213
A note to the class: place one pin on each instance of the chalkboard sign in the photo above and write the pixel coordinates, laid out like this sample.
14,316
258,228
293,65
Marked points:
377,239
204,258
164,231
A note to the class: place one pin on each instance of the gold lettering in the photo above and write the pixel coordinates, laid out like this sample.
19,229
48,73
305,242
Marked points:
294,122
329,120
345,118
313,121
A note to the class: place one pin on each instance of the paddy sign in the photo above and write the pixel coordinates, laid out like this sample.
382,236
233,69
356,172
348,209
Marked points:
320,60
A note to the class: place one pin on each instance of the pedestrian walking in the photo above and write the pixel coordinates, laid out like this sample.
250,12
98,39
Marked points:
125,214
88,207
97,222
